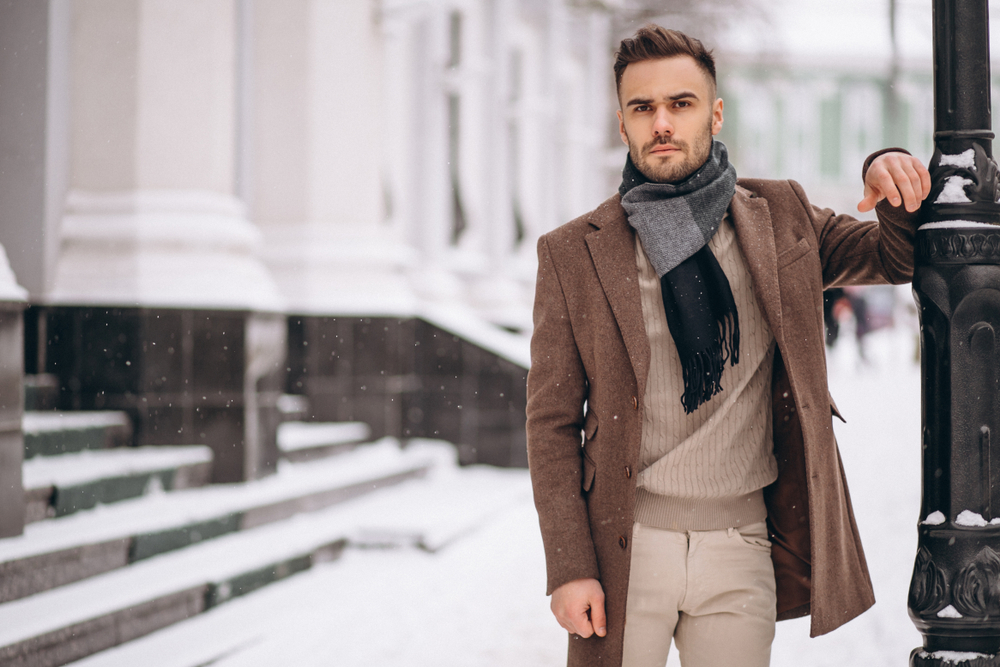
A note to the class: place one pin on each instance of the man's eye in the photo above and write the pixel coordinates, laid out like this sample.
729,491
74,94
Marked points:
642,107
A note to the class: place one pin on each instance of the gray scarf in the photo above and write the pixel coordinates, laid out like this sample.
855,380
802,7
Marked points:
675,222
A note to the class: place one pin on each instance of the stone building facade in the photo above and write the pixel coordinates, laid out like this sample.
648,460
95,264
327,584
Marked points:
212,203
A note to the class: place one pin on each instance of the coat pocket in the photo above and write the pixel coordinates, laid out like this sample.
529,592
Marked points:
791,254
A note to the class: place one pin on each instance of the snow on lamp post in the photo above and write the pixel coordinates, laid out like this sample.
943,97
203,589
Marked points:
954,597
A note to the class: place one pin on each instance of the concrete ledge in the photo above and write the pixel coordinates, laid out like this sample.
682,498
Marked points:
52,433
82,639
147,545
61,485
27,576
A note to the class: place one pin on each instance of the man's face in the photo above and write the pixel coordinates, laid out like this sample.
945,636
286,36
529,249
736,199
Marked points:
668,117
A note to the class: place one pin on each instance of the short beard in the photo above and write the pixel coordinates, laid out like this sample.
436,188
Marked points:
673,173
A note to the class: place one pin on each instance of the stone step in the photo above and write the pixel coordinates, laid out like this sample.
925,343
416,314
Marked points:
57,486
41,392
54,433
71,622
447,506
308,441
60,551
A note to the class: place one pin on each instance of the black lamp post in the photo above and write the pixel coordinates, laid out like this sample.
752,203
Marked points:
954,595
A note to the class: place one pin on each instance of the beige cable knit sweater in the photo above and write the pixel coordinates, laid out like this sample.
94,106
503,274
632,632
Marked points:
706,470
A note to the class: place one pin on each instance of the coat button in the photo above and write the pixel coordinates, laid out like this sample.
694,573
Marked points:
628,473
622,542
635,402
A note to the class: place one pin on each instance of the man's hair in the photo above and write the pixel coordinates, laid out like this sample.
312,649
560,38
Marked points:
652,42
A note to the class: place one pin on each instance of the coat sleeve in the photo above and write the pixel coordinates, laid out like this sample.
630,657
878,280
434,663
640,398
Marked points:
557,390
863,252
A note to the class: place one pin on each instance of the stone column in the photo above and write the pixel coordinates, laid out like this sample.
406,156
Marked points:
155,244
319,138
12,298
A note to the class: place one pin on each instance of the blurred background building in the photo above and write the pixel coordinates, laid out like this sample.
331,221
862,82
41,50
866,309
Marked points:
221,216
215,204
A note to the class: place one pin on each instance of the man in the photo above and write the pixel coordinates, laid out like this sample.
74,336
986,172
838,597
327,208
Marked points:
679,336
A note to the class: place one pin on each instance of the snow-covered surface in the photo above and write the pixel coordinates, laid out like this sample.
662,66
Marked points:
954,656
433,512
42,422
9,289
969,518
512,347
949,612
956,224
77,468
480,602
963,160
293,436
477,602
168,510
953,191
934,519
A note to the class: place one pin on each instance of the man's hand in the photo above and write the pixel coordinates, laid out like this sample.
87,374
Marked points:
897,177
572,601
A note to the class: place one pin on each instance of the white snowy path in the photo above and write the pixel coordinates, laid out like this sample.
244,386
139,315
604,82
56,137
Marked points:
479,601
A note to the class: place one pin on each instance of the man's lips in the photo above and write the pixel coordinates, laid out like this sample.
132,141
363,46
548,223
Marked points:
664,149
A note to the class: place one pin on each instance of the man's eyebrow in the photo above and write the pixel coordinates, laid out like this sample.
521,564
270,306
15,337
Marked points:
684,94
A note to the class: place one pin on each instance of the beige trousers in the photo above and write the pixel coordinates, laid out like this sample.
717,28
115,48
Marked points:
712,591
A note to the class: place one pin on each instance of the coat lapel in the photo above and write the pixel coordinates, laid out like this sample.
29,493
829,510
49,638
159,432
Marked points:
752,221
612,248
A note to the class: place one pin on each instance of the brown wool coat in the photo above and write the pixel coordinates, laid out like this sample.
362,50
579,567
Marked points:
590,358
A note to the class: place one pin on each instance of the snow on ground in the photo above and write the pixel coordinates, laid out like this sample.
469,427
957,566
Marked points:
479,601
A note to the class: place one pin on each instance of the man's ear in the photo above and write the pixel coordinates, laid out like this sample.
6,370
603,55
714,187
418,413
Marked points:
621,127
717,116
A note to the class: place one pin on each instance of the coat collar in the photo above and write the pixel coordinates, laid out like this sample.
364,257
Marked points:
612,248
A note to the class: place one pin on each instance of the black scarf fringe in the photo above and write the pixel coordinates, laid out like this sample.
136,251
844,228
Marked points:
702,369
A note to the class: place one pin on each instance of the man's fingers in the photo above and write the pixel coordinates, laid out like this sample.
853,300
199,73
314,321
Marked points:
904,178
900,178
576,622
887,185
579,607
871,198
597,618
925,179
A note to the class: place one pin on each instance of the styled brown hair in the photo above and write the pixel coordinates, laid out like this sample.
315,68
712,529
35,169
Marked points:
652,42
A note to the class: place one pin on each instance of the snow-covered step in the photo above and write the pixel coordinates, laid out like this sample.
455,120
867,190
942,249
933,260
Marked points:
448,505
306,441
53,433
56,486
60,551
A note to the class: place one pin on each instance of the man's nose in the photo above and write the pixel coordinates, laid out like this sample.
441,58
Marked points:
662,127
